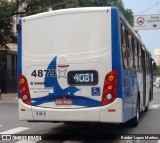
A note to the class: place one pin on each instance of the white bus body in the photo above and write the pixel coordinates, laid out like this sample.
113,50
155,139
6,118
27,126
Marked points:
64,58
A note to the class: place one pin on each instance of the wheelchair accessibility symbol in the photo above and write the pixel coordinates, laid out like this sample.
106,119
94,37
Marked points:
95,91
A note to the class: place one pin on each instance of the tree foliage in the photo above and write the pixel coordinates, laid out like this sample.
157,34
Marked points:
21,8
6,33
128,14
157,70
28,7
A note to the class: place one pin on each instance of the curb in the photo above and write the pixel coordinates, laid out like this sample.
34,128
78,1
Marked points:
8,96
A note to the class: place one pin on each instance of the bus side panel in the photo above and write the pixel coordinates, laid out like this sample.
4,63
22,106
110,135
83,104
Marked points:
116,52
125,77
136,87
127,94
132,85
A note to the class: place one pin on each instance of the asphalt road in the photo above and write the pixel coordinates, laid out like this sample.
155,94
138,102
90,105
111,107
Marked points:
80,133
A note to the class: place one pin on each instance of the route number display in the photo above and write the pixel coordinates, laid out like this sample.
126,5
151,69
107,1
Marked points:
83,77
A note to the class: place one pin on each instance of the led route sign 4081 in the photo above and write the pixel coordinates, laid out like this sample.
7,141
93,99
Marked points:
83,77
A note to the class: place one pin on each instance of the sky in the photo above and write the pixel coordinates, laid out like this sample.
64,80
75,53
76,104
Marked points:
151,38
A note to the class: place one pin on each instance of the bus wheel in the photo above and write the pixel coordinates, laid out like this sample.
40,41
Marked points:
135,121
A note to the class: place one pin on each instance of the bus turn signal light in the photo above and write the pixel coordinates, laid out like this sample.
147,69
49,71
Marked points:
111,78
24,93
22,81
110,88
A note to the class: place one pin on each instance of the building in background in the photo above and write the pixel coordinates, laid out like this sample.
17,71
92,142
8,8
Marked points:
157,56
8,73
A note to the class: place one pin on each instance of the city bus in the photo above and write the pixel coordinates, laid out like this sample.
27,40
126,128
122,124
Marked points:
82,65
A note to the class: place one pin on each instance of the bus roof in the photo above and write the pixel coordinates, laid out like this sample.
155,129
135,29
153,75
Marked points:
66,11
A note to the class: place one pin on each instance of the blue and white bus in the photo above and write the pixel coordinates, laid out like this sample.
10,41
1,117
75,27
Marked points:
82,65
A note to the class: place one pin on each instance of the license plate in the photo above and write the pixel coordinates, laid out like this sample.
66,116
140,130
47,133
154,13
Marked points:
65,101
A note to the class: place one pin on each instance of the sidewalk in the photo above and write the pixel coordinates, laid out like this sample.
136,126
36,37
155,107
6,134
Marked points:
8,96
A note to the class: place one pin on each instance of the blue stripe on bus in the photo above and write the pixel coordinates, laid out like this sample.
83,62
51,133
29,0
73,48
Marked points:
20,48
76,100
62,93
19,61
116,47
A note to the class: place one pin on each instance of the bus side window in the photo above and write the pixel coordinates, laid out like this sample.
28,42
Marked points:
130,51
133,52
139,58
136,55
146,63
124,47
150,65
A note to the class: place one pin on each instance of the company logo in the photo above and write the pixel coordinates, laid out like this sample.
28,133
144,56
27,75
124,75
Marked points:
37,83
62,73
6,137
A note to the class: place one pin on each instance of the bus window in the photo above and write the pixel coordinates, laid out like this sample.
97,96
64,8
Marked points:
133,50
135,55
124,47
130,51
140,60
147,63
